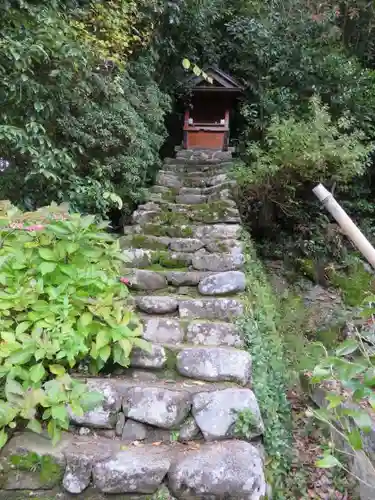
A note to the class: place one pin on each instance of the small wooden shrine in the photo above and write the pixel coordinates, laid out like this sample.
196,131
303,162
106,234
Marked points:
206,123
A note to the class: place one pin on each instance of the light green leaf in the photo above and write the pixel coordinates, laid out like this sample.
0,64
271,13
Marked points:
105,352
71,247
320,373
347,347
47,267
35,426
13,388
334,400
102,339
85,319
142,344
363,420
354,438
57,370
3,438
37,372
371,400
22,327
59,413
91,400
54,432
8,337
47,254
76,409
327,462
126,346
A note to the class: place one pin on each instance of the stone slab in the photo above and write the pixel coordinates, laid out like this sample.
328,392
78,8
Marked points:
215,364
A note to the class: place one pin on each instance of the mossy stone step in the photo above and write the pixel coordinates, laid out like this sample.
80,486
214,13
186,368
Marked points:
219,211
174,331
95,467
157,259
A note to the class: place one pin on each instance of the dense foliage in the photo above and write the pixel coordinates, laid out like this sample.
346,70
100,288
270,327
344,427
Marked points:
61,302
259,327
75,124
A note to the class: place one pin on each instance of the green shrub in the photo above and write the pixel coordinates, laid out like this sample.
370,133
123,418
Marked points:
270,380
72,128
296,154
355,283
61,301
308,150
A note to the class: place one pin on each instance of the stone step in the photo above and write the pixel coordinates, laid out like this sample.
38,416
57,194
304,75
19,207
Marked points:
94,467
226,308
171,330
215,212
204,153
200,260
197,161
221,168
223,283
154,406
173,181
202,231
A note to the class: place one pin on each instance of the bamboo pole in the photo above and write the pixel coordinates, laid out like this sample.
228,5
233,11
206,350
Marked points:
347,225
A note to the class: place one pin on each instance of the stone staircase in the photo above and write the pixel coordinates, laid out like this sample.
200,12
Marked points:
167,427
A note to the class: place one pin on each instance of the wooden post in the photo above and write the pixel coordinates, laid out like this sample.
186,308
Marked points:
346,224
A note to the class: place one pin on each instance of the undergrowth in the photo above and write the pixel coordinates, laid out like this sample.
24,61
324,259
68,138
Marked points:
270,381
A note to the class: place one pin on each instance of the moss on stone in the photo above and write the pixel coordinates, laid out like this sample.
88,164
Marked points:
144,241
168,262
158,267
48,470
173,218
154,229
171,359
163,229
180,232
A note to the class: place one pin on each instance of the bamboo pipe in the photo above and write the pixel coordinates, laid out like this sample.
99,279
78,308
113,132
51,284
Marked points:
344,221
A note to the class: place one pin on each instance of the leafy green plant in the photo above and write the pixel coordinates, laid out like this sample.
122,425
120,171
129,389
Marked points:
312,149
61,301
348,378
75,126
245,423
32,462
270,380
355,283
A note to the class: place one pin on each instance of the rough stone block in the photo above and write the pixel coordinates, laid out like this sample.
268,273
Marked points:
213,334
132,471
186,244
215,364
157,406
218,262
219,470
157,305
216,413
220,309
217,231
156,358
163,330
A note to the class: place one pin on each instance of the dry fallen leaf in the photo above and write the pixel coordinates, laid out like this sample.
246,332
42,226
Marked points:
158,443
